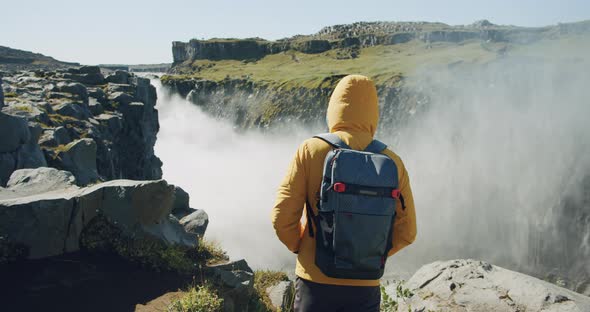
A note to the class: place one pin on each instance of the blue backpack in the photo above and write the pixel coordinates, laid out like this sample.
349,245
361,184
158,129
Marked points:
356,210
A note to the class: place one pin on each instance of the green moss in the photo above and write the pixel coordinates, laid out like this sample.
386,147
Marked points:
10,95
262,280
198,299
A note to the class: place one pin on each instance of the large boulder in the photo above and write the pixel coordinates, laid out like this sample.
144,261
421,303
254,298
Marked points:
120,99
237,279
95,106
469,285
98,94
26,110
181,208
120,77
73,109
55,137
18,146
89,75
26,182
76,89
196,222
7,167
44,211
79,157
14,132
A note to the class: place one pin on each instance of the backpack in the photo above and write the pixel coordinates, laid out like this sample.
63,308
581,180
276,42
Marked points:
356,210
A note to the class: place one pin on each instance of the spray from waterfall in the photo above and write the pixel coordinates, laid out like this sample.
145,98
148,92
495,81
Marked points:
232,175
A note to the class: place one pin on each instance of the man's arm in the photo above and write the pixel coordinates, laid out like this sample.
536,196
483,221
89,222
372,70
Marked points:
404,227
288,208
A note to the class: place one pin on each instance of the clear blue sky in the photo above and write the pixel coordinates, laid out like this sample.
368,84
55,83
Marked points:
132,32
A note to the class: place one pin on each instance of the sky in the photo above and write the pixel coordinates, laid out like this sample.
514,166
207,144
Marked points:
141,32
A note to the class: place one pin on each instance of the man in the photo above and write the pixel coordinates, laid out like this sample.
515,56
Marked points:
353,114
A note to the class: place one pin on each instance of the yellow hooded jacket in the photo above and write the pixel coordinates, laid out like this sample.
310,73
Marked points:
353,114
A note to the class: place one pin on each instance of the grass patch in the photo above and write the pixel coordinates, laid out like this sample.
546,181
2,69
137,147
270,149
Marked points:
198,299
262,280
63,148
59,119
209,252
293,69
23,108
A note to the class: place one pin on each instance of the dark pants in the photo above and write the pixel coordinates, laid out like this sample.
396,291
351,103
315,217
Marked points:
312,297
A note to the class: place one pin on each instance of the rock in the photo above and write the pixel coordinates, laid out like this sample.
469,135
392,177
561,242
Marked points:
118,87
26,110
98,94
55,137
74,88
86,78
112,122
313,46
120,99
7,167
26,182
89,70
237,278
75,110
121,77
196,222
95,107
44,211
125,137
482,287
14,132
281,295
30,156
181,200
18,146
79,157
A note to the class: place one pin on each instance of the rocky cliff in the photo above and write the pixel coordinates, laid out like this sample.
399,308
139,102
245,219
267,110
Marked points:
98,128
83,209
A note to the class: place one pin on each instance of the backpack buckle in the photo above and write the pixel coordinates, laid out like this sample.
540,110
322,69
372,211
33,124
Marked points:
395,193
339,187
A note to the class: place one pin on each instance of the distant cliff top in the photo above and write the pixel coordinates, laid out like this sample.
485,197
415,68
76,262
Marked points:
367,34
13,59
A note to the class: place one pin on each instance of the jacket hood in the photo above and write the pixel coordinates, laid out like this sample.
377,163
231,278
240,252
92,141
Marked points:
354,106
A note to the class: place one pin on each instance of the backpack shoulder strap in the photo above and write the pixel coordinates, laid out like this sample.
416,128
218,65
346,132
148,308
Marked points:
332,139
376,147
